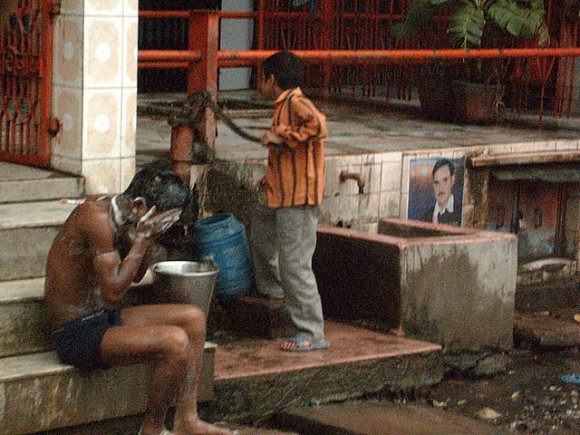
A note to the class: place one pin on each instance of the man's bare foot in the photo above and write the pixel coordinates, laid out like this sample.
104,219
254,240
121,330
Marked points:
199,427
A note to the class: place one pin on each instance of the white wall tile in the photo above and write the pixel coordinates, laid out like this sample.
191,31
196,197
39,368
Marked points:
68,109
103,59
68,51
130,52
102,176
104,7
102,124
128,127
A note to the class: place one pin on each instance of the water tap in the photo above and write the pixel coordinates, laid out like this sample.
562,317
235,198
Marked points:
345,175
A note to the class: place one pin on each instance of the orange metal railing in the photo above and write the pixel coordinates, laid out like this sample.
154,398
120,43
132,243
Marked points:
237,58
347,43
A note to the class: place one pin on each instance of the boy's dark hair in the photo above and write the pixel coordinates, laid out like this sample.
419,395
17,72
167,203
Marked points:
286,68
443,162
159,187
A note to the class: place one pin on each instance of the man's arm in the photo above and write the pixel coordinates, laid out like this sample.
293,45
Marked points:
114,276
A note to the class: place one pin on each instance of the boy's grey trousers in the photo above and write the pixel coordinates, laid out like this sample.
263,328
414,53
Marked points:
283,242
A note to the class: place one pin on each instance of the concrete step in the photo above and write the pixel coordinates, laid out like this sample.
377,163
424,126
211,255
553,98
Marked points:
39,393
24,184
378,419
24,324
254,378
26,233
23,317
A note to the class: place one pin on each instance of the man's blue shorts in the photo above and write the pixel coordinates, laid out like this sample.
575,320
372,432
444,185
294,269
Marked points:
78,342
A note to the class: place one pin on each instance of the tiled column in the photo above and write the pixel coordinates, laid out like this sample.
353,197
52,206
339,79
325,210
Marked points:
95,91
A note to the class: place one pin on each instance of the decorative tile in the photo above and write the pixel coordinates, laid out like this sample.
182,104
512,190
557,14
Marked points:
127,172
104,7
68,52
102,176
128,123
130,8
68,110
101,124
130,53
103,55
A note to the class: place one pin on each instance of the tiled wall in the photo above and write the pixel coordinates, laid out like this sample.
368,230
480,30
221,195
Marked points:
95,91
232,187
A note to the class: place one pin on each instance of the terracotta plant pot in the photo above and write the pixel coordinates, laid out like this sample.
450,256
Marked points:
437,99
474,102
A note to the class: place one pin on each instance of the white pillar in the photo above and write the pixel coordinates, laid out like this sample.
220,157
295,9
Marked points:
95,91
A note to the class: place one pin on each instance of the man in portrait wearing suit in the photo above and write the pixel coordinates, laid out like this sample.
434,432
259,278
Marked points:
446,210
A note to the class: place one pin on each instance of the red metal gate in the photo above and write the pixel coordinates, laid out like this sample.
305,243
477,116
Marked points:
25,80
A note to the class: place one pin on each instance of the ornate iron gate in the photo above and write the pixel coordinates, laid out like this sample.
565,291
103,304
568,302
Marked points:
26,81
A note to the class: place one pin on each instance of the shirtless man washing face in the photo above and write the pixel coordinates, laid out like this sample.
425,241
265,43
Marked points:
87,277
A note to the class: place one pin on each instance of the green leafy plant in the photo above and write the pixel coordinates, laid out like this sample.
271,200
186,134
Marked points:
471,21
476,24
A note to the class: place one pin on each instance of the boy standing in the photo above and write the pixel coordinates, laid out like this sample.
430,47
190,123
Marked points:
284,228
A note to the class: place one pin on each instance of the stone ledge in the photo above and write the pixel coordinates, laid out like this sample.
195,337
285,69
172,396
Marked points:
39,393
23,318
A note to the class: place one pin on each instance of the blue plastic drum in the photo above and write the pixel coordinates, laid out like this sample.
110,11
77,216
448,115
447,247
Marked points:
222,238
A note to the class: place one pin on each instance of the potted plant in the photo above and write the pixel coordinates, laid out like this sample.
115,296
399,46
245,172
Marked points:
478,24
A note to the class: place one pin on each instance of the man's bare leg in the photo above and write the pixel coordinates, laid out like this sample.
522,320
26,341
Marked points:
193,322
169,346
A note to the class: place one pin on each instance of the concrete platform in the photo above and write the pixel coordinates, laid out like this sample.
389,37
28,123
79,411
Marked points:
361,127
254,378
379,419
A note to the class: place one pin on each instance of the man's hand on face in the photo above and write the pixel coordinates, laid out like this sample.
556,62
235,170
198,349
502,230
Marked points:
152,225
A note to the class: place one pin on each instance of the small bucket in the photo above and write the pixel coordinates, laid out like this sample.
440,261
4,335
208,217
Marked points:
185,282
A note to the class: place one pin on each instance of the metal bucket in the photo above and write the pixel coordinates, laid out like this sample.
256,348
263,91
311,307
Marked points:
185,282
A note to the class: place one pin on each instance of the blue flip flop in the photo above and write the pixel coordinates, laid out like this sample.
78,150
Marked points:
573,378
303,344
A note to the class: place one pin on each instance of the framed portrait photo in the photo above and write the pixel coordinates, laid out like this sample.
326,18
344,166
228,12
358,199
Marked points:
436,190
